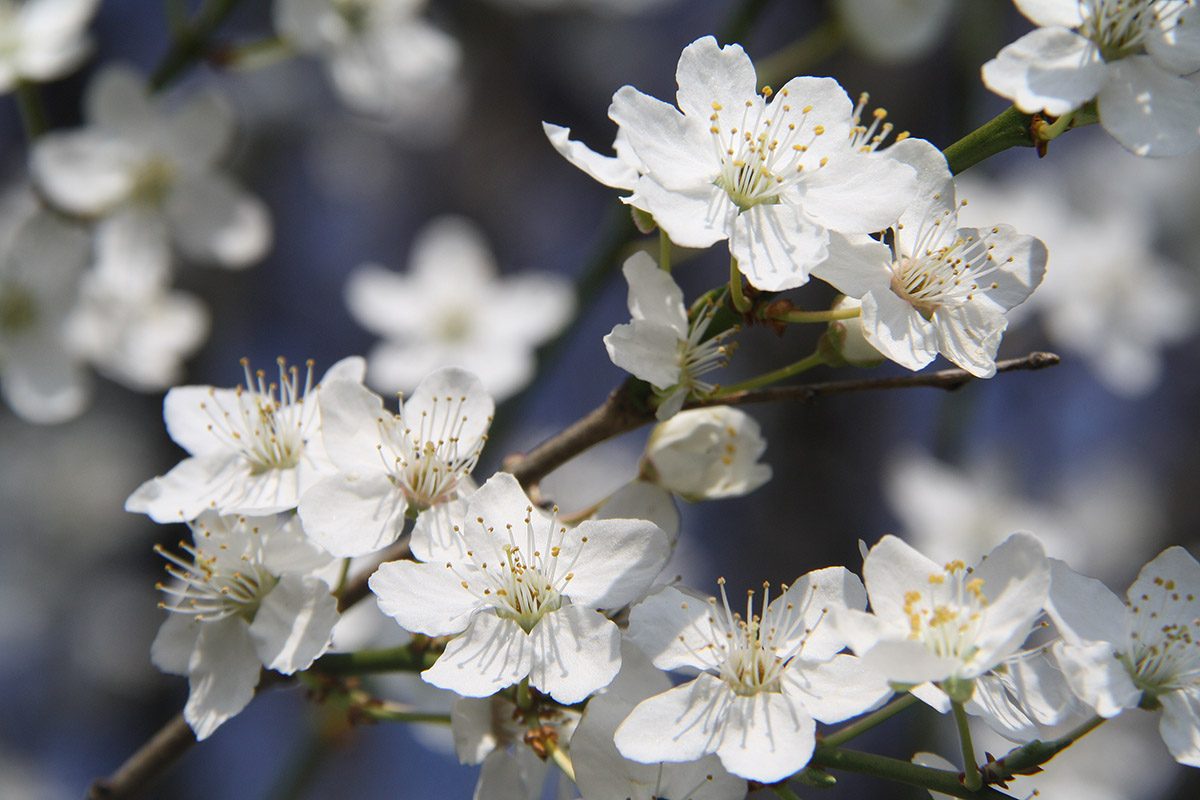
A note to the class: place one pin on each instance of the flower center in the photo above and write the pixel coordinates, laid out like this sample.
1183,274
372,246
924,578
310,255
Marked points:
153,181
947,616
761,150
18,308
946,275
698,355
210,591
425,457
1166,655
454,326
269,423
1120,27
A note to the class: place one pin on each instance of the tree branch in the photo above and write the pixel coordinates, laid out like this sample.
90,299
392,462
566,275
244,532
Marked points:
159,752
626,409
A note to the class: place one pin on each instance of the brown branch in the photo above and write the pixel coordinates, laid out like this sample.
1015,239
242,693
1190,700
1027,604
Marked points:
946,379
621,412
356,588
159,752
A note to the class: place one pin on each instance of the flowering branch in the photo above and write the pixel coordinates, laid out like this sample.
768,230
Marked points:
1009,128
894,769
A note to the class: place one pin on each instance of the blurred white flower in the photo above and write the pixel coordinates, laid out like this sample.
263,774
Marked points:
660,345
894,30
252,450
453,310
137,154
245,596
846,340
42,39
939,288
393,466
41,259
772,175
383,59
127,322
707,453
1108,295
1127,55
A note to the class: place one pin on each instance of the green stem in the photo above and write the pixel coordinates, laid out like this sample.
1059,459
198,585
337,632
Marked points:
971,778
829,315
893,769
387,713
1009,128
405,658
1051,132
784,791
798,57
664,250
854,729
783,373
524,698
33,111
1027,758
738,26
740,302
191,42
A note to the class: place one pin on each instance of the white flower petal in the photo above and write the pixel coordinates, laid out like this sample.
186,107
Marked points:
222,676
575,651
1016,580
856,265
673,629
837,690
1097,676
708,74
172,648
215,221
1021,264
350,415
1175,43
766,737
858,192
294,624
83,172
1149,111
674,149
889,570
450,399
969,335
423,598
682,724
1180,725
1048,69
648,350
200,131
776,246
1084,609
490,655
1063,13
353,516
641,500
653,294
696,216
616,564
608,170
434,537
896,329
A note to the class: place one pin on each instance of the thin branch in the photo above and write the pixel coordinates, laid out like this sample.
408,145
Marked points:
946,379
356,588
151,759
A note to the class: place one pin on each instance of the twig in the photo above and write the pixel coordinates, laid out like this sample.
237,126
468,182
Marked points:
623,412
159,752
356,588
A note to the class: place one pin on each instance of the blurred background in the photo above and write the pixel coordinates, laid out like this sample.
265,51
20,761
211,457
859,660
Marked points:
1099,456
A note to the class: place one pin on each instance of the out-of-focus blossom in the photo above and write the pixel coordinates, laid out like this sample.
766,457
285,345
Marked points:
41,259
939,288
602,773
1142,651
764,679
1127,55
453,310
252,450
707,453
523,598
43,39
139,155
846,341
1093,301
660,345
245,596
894,30
128,322
772,175
391,466
382,57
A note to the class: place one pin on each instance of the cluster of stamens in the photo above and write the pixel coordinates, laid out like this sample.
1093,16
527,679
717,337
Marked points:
1120,27
698,355
933,276
425,458
762,153
1166,655
869,138
948,615
209,590
751,653
527,582
270,422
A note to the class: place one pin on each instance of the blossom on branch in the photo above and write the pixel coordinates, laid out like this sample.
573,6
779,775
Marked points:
1128,56
245,596
252,450
524,599
707,454
43,39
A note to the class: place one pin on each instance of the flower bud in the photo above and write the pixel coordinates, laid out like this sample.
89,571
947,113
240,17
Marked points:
844,341
706,453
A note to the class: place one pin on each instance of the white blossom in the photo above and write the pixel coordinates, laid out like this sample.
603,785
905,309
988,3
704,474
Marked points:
845,339
42,39
947,624
773,176
524,600
41,259
139,154
1127,55
253,449
1143,651
706,454
390,466
764,678
382,57
620,171
893,31
661,345
939,288
452,309
128,322
245,595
